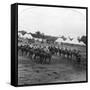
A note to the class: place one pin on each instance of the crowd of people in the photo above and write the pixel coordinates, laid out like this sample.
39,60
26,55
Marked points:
43,54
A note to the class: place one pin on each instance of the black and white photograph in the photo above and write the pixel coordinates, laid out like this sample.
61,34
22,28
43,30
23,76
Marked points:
52,45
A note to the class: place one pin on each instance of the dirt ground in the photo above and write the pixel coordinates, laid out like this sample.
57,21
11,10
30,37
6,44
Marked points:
59,70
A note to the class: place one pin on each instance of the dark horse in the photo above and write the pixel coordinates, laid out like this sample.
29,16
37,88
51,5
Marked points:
41,56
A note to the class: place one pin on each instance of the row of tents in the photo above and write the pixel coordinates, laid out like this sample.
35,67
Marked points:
74,41
58,40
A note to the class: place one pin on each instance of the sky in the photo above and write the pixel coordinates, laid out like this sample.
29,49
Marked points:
52,21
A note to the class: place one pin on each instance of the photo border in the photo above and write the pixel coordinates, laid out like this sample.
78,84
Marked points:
16,44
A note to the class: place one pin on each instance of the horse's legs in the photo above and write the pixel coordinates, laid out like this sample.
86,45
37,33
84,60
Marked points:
22,52
49,61
26,53
43,60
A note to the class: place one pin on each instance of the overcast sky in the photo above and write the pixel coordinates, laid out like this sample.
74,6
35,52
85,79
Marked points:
52,21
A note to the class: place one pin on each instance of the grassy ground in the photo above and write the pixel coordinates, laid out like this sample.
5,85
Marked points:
60,70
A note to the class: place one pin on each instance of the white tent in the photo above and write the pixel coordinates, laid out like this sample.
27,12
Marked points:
20,35
74,41
67,41
27,36
59,40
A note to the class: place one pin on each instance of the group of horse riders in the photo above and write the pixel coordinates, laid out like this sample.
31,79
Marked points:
43,54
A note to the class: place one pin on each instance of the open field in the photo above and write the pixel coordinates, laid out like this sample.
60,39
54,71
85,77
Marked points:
60,69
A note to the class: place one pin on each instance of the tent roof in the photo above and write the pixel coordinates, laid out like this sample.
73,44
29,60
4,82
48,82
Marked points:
27,36
59,40
74,41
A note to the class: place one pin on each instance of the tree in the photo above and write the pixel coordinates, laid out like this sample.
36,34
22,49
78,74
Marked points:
38,33
83,39
42,35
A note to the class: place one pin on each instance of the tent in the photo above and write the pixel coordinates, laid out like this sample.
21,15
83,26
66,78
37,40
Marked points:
59,40
20,35
27,36
74,41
